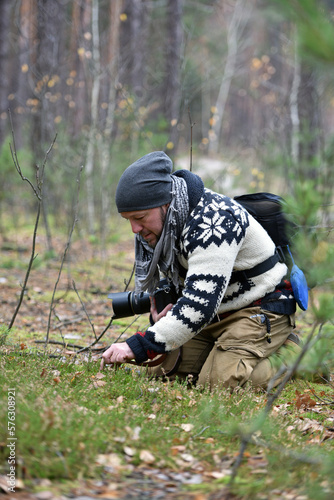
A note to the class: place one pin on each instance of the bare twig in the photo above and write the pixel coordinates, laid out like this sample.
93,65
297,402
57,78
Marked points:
31,260
35,189
292,369
64,344
38,193
98,338
64,256
247,437
84,308
69,321
298,457
191,140
127,283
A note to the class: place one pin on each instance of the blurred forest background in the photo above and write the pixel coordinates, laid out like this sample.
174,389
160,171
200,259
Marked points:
241,87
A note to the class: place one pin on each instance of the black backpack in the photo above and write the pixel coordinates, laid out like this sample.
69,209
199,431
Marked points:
266,208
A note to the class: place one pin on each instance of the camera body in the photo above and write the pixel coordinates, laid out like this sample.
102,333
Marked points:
127,304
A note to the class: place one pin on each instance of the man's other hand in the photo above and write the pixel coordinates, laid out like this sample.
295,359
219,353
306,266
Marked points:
154,312
116,354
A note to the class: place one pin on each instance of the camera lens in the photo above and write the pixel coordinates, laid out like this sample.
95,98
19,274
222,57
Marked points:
129,303
140,302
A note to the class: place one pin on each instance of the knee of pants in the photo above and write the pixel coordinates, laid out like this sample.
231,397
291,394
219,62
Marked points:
263,373
269,367
230,368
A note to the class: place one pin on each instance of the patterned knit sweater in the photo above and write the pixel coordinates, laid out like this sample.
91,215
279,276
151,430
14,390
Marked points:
219,237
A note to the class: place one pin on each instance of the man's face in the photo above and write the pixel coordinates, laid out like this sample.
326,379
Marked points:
148,223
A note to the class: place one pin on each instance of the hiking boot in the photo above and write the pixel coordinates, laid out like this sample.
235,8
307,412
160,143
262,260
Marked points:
293,339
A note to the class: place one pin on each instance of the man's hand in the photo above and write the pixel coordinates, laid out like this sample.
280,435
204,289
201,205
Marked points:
154,313
117,353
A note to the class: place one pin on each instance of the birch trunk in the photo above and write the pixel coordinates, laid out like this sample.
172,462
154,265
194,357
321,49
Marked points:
294,113
239,19
115,11
89,167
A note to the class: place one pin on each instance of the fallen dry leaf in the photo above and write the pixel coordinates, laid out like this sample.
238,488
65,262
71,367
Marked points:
147,457
218,474
187,457
177,449
109,460
69,353
129,451
98,383
304,400
187,427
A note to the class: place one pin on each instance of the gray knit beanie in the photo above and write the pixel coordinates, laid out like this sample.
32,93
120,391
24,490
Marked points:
145,184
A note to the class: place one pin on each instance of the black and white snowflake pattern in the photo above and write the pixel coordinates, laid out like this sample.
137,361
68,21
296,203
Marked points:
216,219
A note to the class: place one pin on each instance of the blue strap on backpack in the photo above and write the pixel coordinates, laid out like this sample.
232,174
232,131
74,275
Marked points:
299,284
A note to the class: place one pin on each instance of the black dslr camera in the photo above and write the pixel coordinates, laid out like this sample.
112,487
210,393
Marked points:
129,303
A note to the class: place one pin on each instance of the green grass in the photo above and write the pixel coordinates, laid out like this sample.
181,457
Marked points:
72,424
68,421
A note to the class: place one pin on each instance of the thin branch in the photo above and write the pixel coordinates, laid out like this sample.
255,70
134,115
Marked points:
84,308
127,283
291,369
64,344
247,437
191,140
298,457
63,257
31,260
70,321
98,338
38,193
13,150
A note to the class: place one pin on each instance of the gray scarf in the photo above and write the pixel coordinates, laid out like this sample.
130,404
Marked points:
164,256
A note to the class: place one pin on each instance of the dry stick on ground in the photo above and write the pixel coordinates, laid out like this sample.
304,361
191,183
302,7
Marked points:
38,193
64,344
247,437
64,256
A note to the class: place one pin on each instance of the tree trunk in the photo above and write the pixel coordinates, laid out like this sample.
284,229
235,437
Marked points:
81,24
174,52
49,42
241,12
94,109
133,35
4,58
113,46
50,21
309,115
294,113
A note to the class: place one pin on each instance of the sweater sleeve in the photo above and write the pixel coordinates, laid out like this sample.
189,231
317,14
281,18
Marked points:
210,244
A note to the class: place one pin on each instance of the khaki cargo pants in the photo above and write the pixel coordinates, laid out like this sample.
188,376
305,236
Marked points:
232,351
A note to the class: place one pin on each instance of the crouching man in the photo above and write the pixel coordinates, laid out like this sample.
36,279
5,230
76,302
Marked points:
225,327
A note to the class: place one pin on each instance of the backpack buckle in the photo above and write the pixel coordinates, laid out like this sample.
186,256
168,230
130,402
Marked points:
280,252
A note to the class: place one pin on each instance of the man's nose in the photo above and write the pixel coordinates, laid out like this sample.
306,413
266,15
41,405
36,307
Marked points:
136,227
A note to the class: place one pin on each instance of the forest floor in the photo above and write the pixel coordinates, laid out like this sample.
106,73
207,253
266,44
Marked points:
194,465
